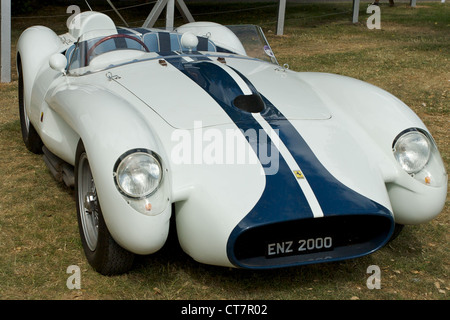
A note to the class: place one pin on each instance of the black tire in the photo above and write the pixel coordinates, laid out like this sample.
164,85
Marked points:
397,230
102,252
30,136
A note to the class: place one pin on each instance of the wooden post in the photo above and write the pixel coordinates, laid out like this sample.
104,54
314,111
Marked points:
5,41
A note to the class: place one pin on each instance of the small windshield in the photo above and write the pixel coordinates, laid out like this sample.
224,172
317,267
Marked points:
124,45
94,44
254,42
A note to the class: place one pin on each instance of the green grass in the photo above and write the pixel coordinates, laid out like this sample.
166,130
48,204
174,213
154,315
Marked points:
409,57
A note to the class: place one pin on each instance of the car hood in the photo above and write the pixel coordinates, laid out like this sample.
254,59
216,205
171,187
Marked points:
191,92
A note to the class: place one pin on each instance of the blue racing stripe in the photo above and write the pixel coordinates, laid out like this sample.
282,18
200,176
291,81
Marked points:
282,199
334,197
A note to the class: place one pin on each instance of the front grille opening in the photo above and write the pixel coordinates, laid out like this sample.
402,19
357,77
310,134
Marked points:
311,240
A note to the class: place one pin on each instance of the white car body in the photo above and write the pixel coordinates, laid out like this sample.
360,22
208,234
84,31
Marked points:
151,104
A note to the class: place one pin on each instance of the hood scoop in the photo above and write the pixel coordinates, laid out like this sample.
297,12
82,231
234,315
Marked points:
252,103
225,85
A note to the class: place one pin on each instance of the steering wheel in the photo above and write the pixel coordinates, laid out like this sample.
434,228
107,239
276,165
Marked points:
114,36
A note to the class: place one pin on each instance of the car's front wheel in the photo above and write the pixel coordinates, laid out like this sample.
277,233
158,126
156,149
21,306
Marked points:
102,252
397,230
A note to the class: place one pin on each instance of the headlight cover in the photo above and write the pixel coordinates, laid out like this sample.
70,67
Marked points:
138,174
139,177
412,151
417,154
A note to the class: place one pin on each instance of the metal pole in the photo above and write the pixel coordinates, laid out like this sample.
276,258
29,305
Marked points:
154,14
117,12
281,16
355,11
187,16
170,15
5,35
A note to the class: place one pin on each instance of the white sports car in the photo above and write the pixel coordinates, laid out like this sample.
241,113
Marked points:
258,166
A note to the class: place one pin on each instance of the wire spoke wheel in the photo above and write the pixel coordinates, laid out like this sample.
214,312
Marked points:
88,203
101,250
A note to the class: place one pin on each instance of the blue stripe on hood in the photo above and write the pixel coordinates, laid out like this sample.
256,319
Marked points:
333,196
291,202
282,199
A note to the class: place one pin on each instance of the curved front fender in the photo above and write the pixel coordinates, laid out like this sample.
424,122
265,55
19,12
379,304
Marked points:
376,117
109,126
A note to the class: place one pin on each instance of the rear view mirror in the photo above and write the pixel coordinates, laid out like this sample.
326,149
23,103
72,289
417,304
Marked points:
58,62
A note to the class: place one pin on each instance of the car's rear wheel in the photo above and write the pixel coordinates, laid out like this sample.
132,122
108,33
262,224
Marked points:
29,135
102,252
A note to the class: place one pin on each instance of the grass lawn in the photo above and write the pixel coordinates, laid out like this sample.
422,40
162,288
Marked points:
409,57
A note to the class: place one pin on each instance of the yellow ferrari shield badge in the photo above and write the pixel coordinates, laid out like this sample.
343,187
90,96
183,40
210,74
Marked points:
299,174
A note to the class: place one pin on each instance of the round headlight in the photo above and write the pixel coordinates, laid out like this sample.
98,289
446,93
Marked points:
412,151
138,174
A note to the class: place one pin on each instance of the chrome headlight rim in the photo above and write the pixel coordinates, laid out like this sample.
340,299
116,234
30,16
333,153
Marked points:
403,136
120,161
